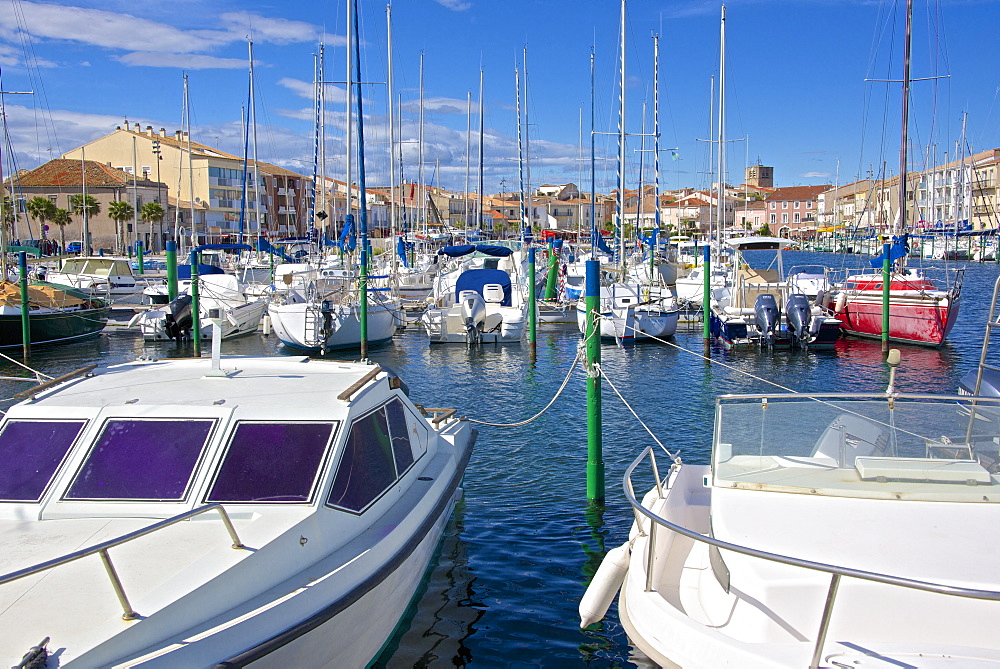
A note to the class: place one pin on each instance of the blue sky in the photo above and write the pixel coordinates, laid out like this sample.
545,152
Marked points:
795,81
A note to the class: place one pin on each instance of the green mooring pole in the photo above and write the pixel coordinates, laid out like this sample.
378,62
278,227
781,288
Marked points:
706,286
886,285
553,277
171,270
195,314
138,253
595,456
22,265
532,304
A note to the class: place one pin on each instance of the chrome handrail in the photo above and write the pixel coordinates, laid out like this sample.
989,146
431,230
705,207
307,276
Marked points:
102,548
836,571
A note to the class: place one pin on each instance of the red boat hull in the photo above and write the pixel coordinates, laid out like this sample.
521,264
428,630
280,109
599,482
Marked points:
915,317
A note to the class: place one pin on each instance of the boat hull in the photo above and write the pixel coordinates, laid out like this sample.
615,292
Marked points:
302,326
915,317
53,327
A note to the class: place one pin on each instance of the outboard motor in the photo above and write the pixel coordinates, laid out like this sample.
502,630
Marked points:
766,315
798,313
178,320
474,313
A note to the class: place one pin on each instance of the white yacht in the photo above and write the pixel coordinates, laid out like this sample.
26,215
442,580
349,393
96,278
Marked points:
278,511
632,312
828,531
100,276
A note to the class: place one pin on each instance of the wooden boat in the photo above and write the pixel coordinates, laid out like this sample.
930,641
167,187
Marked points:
56,314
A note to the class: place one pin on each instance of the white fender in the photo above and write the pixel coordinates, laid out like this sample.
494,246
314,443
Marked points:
840,303
604,586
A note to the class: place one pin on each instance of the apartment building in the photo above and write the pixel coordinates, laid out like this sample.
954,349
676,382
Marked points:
792,211
209,181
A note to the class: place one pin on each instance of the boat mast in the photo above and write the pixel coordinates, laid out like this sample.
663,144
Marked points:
593,170
421,197
394,262
620,204
468,153
901,223
317,137
479,210
720,192
520,151
362,203
642,156
656,153
529,211
187,124
349,214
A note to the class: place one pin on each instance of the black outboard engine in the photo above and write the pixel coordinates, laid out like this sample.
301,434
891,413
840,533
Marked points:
178,320
766,315
798,313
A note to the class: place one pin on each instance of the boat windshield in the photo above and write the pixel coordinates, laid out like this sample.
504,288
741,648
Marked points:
908,448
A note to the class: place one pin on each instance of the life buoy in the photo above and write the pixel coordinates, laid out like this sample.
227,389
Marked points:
840,303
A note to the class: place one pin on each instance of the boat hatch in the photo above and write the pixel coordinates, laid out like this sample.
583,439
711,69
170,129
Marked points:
32,452
380,447
141,459
860,446
272,462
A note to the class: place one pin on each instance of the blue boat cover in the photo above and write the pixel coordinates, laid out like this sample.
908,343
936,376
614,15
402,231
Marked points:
184,271
348,240
475,279
465,249
265,246
224,247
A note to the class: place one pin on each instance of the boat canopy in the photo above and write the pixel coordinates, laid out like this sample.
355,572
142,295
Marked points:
475,279
184,271
900,247
757,243
465,249
223,247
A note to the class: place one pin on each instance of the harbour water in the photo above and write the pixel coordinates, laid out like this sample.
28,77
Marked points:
523,541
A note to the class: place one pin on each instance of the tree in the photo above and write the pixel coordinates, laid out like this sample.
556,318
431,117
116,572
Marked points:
152,212
7,209
41,209
120,211
62,218
92,209
765,231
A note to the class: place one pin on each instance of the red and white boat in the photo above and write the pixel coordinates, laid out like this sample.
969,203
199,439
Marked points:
920,310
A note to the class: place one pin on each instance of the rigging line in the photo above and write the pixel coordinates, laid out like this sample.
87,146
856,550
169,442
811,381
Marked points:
673,456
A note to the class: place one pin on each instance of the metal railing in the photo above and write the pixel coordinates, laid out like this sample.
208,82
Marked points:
102,548
836,572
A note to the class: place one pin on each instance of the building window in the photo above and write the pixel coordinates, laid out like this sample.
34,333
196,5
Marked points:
774,218
784,205
796,218
774,205
809,204
784,219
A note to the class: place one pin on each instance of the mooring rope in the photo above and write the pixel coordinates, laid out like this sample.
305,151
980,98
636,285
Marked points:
580,348
37,373
673,456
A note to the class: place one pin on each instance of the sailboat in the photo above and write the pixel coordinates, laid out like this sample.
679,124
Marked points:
630,311
920,310
339,311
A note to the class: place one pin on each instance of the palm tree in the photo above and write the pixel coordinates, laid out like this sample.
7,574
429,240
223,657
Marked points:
7,207
62,218
120,211
41,209
152,212
88,211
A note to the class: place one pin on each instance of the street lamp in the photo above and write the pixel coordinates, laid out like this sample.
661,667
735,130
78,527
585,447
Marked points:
156,152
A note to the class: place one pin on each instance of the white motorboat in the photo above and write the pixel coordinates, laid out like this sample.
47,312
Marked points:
277,511
220,293
482,301
632,312
828,531
107,277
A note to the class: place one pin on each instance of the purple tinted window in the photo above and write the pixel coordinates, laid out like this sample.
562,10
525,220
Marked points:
31,451
141,459
400,435
271,462
366,468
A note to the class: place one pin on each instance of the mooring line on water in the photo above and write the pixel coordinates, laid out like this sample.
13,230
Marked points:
38,375
579,350
776,385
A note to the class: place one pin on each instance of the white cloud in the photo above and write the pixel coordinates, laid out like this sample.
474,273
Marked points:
816,175
186,61
456,5
268,29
